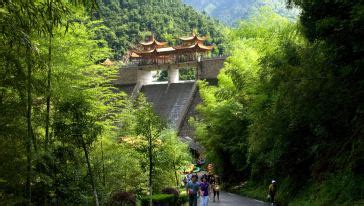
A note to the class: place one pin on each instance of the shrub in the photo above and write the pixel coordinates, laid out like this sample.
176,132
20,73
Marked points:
170,190
166,199
160,200
122,198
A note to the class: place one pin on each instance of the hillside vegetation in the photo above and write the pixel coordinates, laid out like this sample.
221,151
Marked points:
232,11
128,21
288,106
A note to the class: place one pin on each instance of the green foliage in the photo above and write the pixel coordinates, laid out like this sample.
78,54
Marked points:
227,108
148,124
232,11
123,168
171,157
187,74
51,81
166,199
278,110
74,124
163,153
252,189
184,74
288,104
128,22
57,174
335,190
159,198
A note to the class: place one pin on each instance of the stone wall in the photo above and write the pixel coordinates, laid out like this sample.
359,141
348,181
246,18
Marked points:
126,76
210,68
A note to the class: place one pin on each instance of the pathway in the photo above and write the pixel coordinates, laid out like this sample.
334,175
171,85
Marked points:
229,199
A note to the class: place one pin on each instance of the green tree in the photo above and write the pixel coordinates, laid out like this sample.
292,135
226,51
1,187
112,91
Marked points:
283,93
149,126
227,109
25,88
174,152
75,125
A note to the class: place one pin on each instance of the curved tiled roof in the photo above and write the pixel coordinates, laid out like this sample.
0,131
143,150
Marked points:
162,48
153,42
193,37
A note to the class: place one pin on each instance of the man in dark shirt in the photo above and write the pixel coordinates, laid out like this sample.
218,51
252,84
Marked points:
192,189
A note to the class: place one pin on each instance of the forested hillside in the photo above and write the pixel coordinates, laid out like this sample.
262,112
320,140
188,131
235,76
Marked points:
289,106
231,11
127,22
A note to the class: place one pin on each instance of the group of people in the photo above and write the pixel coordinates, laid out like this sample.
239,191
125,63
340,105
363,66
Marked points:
207,185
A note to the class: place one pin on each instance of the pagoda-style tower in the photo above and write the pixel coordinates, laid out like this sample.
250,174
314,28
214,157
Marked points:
155,52
192,48
152,52
153,44
192,40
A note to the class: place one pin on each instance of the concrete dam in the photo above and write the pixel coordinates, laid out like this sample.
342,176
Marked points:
174,101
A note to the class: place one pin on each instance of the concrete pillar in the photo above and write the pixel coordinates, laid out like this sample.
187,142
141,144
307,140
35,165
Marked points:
144,77
173,75
198,70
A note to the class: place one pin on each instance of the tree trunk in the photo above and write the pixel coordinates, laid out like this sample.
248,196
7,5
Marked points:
103,165
90,172
150,171
175,173
48,94
29,138
49,78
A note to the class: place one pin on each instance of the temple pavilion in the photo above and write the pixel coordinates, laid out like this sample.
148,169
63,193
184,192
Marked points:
155,52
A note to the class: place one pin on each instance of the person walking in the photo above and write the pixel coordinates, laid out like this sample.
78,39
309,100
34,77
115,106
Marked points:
211,180
215,187
204,191
192,189
272,189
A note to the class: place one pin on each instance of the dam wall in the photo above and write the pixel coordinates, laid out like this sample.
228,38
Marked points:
174,101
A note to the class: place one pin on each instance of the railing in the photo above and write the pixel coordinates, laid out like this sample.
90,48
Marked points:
173,61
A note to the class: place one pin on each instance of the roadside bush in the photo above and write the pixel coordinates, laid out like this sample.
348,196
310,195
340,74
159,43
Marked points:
170,190
165,200
122,198
160,200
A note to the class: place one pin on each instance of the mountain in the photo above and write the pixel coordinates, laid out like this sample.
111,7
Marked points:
126,22
230,11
